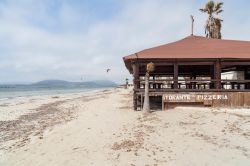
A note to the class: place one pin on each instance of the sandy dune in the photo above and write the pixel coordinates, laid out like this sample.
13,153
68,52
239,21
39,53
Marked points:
101,129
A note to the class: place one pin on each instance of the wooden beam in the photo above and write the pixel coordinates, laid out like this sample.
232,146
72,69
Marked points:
217,74
247,77
235,63
184,62
135,67
136,82
195,63
176,67
162,91
158,63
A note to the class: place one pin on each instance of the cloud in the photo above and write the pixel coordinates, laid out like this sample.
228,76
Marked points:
63,40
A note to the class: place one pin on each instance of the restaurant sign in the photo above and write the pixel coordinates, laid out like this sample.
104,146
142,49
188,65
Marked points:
193,97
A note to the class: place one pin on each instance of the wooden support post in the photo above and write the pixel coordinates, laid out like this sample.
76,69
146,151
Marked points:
247,77
193,73
136,83
153,84
176,75
217,74
211,84
141,102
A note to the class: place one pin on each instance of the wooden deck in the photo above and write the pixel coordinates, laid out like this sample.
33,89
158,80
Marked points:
229,99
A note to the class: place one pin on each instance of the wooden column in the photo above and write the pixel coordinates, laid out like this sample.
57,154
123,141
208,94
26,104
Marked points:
176,75
247,77
217,74
153,84
136,83
211,85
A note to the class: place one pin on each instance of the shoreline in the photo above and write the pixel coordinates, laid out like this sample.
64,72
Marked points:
37,93
35,101
43,110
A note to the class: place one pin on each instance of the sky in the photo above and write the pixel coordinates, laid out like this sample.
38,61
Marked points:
77,40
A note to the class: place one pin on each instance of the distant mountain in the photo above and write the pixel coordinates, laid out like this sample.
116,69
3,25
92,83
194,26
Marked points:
61,83
52,82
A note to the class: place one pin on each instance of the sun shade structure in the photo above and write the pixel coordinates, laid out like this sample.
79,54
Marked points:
192,64
195,47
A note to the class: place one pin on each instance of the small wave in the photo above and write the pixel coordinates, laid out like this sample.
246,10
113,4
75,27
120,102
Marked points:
6,98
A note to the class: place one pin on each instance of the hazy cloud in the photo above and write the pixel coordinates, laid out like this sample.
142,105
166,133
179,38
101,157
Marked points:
69,39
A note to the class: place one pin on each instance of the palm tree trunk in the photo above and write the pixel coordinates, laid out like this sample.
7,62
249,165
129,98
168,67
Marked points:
146,105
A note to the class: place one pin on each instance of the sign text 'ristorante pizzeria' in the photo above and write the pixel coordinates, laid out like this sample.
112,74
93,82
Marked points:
193,97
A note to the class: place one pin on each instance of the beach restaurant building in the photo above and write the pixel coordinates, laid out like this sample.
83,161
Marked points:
193,71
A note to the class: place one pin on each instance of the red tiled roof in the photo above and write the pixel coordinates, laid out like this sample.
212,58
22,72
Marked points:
196,47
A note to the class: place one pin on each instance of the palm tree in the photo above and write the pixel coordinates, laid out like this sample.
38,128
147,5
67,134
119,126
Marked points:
213,25
146,104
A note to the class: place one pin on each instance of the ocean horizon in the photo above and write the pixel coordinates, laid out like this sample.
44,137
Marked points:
10,91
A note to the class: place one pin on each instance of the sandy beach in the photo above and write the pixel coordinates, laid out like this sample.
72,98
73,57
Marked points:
101,129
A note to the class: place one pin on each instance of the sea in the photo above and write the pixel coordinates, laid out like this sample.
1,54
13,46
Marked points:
16,91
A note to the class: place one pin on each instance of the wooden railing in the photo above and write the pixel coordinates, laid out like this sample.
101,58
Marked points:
188,84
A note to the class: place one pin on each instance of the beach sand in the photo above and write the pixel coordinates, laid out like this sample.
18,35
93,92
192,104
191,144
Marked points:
101,129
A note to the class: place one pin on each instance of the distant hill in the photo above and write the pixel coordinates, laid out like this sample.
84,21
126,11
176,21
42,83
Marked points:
61,83
52,82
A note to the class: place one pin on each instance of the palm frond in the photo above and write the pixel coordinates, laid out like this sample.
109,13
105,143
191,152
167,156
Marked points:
219,11
218,6
210,5
203,10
